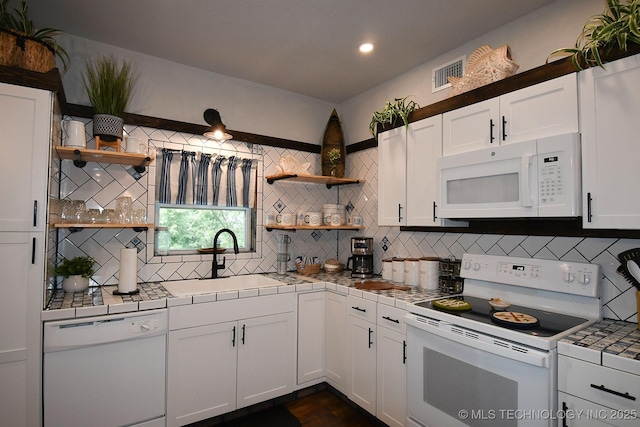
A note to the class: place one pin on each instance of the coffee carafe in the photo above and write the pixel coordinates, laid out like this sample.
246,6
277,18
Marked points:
361,259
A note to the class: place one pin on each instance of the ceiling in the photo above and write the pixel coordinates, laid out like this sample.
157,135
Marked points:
305,46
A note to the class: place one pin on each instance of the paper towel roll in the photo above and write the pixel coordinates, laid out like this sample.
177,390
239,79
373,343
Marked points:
128,275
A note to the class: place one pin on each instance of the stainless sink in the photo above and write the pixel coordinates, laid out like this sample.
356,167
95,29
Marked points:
184,288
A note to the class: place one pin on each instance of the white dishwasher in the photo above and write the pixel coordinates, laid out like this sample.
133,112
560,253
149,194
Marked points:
105,371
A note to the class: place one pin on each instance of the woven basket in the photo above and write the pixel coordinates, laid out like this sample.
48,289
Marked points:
308,268
22,51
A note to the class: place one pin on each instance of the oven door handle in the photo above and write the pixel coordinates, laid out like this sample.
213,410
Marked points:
477,340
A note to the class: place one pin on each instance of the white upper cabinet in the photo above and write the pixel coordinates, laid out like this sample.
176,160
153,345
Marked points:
25,126
609,109
392,177
545,109
407,175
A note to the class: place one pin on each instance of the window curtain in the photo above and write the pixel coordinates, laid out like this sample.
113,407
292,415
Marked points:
188,177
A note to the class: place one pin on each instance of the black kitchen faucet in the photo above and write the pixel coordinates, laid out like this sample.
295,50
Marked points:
215,267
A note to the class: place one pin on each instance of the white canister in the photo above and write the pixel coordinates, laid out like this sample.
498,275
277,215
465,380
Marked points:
398,270
387,269
429,272
313,219
288,219
74,134
336,220
411,271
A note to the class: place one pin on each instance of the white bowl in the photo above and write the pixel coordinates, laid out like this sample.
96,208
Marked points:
499,305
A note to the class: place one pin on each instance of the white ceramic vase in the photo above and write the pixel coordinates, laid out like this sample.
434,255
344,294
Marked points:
75,283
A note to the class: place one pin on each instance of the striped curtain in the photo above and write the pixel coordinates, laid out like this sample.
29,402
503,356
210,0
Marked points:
193,178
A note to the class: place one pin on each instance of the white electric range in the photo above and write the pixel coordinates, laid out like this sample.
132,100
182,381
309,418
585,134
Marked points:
478,366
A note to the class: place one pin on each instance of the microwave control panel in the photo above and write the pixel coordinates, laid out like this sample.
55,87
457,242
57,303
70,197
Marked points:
551,178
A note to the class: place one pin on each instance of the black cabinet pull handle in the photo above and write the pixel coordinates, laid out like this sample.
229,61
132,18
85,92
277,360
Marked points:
370,342
399,212
33,251
504,128
434,212
243,326
491,126
565,408
233,340
589,213
35,213
364,310
390,319
617,393
404,352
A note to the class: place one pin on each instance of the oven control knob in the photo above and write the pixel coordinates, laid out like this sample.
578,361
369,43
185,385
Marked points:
476,266
145,327
568,277
584,278
467,265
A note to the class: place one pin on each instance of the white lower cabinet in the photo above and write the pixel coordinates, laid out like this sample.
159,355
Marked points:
336,341
594,395
311,337
223,366
391,373
361,352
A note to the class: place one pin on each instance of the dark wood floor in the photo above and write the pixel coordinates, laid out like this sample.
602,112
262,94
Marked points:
325,409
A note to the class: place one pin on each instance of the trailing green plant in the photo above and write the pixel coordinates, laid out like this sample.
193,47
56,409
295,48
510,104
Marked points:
79,265
399,108
617,26
109,84
18,20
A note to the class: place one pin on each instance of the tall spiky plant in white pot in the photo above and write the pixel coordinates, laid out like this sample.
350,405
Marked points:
109,84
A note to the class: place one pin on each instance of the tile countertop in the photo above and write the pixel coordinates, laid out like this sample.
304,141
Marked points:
101,301
612,343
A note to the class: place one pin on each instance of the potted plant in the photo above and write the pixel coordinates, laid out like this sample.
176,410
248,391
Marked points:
75,272
109,85
334,155
398,109
23,46
616,27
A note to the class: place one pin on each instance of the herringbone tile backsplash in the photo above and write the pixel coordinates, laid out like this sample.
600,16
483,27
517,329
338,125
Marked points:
100,184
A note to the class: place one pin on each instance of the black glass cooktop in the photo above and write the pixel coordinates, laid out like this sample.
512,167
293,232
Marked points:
548,325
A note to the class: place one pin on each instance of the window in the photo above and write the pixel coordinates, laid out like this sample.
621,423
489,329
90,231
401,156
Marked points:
192,227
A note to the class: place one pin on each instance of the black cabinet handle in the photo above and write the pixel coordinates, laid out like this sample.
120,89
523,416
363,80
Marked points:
399,212
589,207
617,393
404,352
434,212
491,126
33,251
504,128
370,342
243,326
565,408
364,310
233,340
35,213
390,319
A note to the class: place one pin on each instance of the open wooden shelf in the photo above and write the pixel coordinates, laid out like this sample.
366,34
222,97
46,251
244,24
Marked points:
311,227
80,226
329,181
81,156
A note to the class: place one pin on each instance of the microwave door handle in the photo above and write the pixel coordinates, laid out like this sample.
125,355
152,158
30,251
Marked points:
525,185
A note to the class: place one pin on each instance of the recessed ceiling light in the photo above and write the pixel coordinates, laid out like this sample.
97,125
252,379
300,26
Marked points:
366,47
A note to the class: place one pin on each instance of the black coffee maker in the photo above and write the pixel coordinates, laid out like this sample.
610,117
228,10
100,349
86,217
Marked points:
361,259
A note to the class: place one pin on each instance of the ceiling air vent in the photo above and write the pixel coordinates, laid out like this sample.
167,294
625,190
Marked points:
453,68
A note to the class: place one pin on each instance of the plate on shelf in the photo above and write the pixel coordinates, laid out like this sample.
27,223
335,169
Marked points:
210,250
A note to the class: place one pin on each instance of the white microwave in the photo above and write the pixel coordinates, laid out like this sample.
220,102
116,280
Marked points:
538,178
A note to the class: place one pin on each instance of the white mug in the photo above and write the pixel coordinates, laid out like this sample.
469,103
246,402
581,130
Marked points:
355,220
336,220
313,218
135,145
74,132
287,218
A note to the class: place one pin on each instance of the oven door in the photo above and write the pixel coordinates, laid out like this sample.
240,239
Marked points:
458,377
490,183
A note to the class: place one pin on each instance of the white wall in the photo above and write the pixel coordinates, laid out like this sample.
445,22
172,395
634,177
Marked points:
530,38
173,91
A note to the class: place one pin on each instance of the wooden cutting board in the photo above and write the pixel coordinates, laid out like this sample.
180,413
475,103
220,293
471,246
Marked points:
376,285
